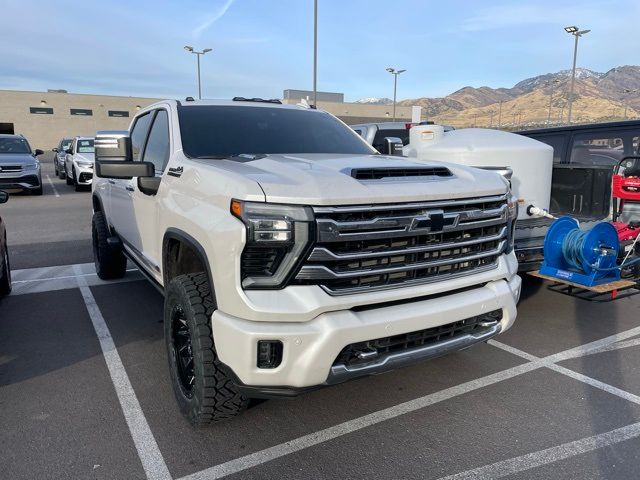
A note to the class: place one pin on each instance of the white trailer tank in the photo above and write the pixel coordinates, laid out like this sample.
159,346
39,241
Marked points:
530,161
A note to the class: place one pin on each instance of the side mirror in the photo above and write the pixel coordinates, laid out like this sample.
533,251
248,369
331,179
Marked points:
4,196
123,170
38,152
392,146
55,149
113,145
69,151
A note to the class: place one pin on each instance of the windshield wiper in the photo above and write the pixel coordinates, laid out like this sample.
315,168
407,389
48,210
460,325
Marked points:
239,157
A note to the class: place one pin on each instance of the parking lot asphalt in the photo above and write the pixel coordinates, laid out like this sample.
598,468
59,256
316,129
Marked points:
84,390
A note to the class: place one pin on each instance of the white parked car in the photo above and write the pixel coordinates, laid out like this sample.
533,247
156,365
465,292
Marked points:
291,254
79,161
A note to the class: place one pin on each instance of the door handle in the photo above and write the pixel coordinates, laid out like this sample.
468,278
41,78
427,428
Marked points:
129,188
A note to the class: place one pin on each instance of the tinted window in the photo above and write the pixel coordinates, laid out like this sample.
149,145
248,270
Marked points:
232,130
378,140
85,146
597,148
14,145
157,150
139,134
558,142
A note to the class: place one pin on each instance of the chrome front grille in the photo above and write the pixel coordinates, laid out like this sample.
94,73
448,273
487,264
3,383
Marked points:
371,247
10,168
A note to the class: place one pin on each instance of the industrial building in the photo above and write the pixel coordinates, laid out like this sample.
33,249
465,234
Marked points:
46,117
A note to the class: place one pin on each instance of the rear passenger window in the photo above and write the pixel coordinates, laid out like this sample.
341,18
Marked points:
157,150
139,135
558,142
598,149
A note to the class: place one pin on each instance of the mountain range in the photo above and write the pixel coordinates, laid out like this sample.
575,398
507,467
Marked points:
540,100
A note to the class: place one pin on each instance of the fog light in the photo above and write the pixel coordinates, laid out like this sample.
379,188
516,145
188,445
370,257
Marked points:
269,353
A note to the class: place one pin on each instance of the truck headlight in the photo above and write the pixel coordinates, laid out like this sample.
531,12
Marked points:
512,207
277,238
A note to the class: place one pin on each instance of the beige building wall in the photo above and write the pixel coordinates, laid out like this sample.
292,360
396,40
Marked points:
44,130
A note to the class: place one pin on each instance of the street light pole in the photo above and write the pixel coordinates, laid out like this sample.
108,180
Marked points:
395,74
577,33
551,100
190,49
315,53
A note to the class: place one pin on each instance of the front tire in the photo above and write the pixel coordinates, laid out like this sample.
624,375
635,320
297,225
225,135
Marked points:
109,260
203,390
5,278
68,178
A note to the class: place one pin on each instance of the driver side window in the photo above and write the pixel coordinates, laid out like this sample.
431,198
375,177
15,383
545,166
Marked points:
139,135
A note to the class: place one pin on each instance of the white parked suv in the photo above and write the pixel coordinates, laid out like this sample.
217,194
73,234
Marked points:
79,162
291,254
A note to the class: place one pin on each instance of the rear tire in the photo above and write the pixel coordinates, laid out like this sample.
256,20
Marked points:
5,275
204,391
109,260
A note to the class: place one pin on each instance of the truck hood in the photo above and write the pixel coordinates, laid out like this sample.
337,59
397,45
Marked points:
16,159
325,179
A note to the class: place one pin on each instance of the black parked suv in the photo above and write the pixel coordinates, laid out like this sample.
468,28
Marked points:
19,167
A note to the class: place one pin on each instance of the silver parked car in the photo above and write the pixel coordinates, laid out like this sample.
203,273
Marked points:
19,167
58,160
79,160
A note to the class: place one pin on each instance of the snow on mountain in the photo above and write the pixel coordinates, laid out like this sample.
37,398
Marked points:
375,101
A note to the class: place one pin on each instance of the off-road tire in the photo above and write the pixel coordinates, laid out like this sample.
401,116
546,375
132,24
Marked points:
109,260
213,396
5,275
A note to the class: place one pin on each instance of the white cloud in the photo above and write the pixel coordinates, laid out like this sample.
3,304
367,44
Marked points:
212,19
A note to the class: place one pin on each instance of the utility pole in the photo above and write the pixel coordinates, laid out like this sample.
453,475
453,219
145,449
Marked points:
577,33
315,53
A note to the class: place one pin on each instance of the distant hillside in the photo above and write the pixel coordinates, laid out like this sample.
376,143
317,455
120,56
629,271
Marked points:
598,97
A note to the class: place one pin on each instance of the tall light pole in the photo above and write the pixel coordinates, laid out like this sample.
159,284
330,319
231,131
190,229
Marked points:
395,74
189,48
551,100
315,53
577,33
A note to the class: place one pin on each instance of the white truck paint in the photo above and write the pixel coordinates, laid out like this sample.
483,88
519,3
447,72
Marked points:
382,252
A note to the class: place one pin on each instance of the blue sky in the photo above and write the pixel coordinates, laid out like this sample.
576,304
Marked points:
261,47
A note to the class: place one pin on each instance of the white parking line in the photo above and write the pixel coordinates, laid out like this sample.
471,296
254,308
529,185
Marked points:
55,190
152,461
549,455
312,439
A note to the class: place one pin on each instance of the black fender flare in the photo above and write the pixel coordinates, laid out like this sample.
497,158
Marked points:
185,238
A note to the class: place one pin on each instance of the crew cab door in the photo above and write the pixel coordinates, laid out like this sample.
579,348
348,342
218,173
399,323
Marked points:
157,150
123,217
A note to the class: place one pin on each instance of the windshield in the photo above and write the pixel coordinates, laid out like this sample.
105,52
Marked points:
14,145
66,144
222,131
85,146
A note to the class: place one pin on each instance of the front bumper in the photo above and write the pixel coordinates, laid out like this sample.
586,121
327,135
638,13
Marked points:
28,179
311,348
84,174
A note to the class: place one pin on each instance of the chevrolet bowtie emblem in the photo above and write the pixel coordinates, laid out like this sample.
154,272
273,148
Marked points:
433,221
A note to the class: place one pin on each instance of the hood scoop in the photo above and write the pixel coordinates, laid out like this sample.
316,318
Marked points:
399,172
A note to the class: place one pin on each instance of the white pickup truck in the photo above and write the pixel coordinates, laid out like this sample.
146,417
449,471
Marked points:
291,254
